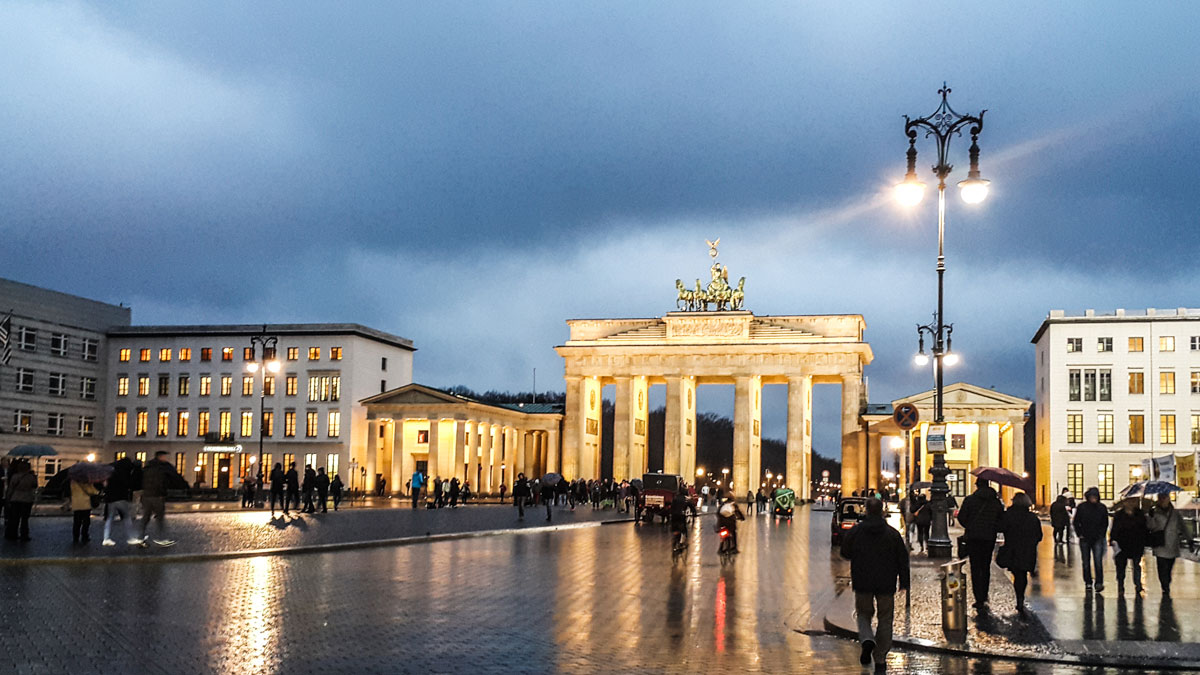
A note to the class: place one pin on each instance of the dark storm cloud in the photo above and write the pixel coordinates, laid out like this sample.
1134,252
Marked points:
471,174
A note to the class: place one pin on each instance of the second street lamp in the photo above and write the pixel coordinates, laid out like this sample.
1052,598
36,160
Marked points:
264,362
943,124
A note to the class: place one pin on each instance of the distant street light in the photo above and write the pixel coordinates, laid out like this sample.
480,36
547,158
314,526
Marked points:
943,124
263,347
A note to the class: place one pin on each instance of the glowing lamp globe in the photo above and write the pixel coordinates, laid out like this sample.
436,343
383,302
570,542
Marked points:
910,192
973,190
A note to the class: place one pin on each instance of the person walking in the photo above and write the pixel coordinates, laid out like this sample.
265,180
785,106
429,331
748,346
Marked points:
466,492
437,492
278,480
156,477
503,489
335,490
980,517
455,491
118,500
520,494
1167,535
1060,518
308,488
418,482
1022,532
322,485
292,484
1128,538
878,567
81,510
248,491
19,493
1091,526
547,497
923,516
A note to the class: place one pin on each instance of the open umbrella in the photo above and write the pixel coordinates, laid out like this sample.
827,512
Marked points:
57,486
32,450
921,485
90,472
551,478
1003,476
1147,488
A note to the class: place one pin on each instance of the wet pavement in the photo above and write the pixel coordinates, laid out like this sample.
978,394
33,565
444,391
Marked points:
586,600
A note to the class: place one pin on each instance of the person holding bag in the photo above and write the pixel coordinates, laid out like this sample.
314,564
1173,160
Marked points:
1128,538
1022,531
1167,537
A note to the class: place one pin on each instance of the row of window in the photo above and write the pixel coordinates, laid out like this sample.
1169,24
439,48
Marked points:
1137,428
1105,479
183,423
166,354
57,384
60,343
1091,384
320,387
56,424
1166,343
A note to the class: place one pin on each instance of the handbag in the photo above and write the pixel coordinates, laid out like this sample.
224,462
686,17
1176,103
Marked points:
1004,557
1157,538
95,500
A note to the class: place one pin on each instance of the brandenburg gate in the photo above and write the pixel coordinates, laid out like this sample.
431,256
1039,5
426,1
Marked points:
722,345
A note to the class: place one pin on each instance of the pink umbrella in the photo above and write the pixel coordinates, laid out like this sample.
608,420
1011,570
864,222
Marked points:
1002,476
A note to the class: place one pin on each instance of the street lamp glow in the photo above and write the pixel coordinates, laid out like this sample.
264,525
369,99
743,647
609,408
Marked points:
252,367
973,190
950,359
911,191
91,457
700,472
1136,472
273,366
897,442
921,359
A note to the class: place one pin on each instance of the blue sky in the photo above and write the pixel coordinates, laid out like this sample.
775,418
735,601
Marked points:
471,174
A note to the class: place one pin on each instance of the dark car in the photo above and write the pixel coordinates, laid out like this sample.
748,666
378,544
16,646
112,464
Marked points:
849,511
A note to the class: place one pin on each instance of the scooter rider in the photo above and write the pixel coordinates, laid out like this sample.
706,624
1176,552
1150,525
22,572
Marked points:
728,514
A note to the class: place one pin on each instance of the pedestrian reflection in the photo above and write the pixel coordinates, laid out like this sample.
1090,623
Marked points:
1093,617
1127,629
1168,623
675,605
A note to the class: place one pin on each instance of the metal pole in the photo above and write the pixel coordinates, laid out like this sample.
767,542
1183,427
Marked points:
939,536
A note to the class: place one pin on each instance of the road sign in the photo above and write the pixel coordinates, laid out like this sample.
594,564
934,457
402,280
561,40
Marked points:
935,442
906,416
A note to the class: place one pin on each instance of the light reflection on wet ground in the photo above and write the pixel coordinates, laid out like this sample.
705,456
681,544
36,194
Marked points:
598,600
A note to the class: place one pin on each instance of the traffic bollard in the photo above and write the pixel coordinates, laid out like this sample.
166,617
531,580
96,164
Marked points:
954,601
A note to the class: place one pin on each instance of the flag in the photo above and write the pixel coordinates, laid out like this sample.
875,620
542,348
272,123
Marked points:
5,344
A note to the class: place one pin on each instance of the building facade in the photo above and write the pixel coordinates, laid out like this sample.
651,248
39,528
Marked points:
1113,391
53,389
192,392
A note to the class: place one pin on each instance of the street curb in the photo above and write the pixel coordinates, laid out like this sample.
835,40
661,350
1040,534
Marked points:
302,550
1106,660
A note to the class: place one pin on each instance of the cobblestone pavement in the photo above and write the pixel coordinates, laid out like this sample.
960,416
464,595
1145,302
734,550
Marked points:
239,531
591,600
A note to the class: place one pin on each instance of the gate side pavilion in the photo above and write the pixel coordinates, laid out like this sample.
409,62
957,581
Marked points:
683,350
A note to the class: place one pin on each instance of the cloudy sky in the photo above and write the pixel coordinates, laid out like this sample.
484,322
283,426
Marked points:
471,174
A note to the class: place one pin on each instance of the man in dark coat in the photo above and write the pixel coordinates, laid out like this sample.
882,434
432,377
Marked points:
980,517
292,481
322,485
1060,519
878,563
1091,526
520,493
277,484
156,478
1022,532
308,487
1129,536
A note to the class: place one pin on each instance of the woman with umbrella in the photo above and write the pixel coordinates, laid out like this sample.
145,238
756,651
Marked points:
20,492
83,476
1022,532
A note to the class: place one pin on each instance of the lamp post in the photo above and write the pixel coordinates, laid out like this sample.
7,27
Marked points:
943,124
263,362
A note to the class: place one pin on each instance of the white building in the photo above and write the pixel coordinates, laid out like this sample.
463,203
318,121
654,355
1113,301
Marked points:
53,388
188,390
1114,390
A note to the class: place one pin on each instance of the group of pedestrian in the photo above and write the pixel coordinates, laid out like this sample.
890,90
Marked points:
916,513
317,489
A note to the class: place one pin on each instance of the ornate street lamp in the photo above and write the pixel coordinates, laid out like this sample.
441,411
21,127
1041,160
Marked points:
943,124
264,353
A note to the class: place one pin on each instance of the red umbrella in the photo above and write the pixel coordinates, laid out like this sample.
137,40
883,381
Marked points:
1002,476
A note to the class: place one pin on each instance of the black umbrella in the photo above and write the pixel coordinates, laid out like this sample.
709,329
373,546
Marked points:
90,472
57,485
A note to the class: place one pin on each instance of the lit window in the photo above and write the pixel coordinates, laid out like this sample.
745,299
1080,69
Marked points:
293,353
185,385
227,353
206,353
289,423
205,385
164,355
247,424
125,354
164,423
314,353
87,388
335,353
1104,428
1195,382
1166,429
87,426
180,462
226,385
181,422
1166,382
1195,429
202,421
334,427
1106,474
268,423
23,421
91,349
58,384
1075,479
310,459
143,385
1135,344
1104,344
269,385
226,424
1074,344
331,464
247,385
1137,382
313,421
1137,429
1166,343
144,354
54,424
291,385
185,353
248,353
143,422
120,426
58,344
1074,428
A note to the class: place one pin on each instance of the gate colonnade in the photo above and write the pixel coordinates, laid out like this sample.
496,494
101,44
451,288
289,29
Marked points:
683,350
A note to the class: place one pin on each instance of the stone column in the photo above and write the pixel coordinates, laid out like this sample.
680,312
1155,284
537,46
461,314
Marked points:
473,456
488,456
435,450
372,454
687,429
460,450
874,460
984,449
798,474
589,443
673,428
401,456
387,461
574,414
852,478
747,422
622,428
554,454
1018,446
